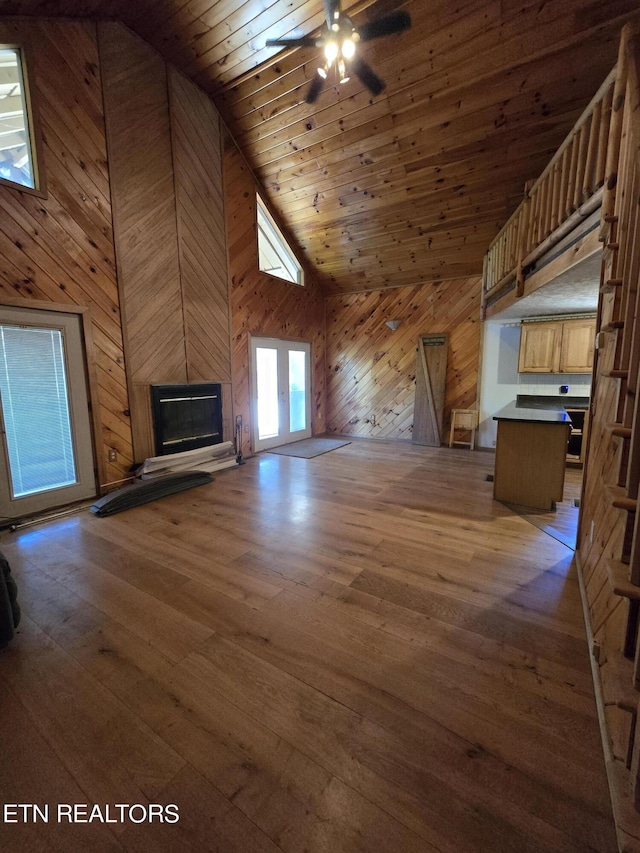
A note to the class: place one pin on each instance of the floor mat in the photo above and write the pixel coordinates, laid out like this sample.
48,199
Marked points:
309,447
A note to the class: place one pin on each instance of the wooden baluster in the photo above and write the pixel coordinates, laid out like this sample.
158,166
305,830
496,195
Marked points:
555,197
573,167
492,267
588,179
505,259
540,217
605,121
498,270
564,182
513,236
488,268
483,296
548,203
532,237
523,239
583,139
518,234
544,206
615,133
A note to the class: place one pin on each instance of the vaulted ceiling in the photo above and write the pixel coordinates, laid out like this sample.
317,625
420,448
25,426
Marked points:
409,186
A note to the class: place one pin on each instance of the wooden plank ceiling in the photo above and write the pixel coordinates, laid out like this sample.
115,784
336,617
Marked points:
409,186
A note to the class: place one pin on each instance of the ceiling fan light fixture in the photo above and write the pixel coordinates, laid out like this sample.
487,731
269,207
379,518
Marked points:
348,48
338,38
331,51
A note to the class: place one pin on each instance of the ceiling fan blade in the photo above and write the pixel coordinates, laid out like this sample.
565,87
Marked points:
366,75
330,8
394,23
314,89
305,41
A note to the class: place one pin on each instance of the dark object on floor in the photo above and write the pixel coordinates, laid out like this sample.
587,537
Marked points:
9,607
144,491
489,478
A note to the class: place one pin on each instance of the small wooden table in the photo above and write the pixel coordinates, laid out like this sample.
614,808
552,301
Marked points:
531,452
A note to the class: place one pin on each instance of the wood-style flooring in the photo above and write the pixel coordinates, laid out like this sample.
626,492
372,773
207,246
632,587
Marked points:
562,521
357,652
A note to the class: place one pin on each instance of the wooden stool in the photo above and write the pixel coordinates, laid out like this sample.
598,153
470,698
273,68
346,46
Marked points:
464,419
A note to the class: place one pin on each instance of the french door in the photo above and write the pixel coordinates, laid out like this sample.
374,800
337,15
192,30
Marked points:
46,450
281,399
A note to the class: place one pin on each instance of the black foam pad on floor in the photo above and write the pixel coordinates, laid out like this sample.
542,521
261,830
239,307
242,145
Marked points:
144,491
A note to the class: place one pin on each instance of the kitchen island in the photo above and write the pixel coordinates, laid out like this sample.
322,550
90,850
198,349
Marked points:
531,449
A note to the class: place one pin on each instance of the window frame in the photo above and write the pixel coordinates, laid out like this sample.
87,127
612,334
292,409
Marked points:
33,127
282,246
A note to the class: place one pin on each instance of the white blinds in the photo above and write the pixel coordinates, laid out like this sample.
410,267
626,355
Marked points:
35,408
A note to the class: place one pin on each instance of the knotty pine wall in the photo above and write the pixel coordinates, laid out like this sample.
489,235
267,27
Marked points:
371,370
262,305
165,158
59,249
128,141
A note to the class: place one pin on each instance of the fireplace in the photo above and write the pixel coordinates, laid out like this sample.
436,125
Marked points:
186,417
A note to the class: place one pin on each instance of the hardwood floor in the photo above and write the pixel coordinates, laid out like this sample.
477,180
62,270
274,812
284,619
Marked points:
562,521
357,652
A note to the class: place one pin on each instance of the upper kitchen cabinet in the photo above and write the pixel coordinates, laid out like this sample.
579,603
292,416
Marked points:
540,348
557,347
577,345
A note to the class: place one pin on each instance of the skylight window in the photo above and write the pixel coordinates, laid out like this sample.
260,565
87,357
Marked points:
17,159
274,254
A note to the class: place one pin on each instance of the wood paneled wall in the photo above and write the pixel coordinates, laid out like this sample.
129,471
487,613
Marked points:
371,369
609,530
197,153
262,305
59,249
166,175
162,173
144,220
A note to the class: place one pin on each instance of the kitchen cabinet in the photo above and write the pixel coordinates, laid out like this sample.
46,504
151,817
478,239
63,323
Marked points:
577,345
557,346
540,347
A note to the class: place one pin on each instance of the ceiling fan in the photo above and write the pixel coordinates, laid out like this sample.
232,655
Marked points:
338,39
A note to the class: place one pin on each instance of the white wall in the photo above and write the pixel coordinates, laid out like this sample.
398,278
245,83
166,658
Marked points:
499,376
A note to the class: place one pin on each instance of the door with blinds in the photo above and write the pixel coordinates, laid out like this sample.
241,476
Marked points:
46,453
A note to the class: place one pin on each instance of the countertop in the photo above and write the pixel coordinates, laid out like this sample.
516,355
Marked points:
517,412
556,401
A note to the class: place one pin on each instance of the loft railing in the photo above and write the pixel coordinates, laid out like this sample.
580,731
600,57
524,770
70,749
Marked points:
567,191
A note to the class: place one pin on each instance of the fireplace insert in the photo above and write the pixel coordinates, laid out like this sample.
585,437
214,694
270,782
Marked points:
187,416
